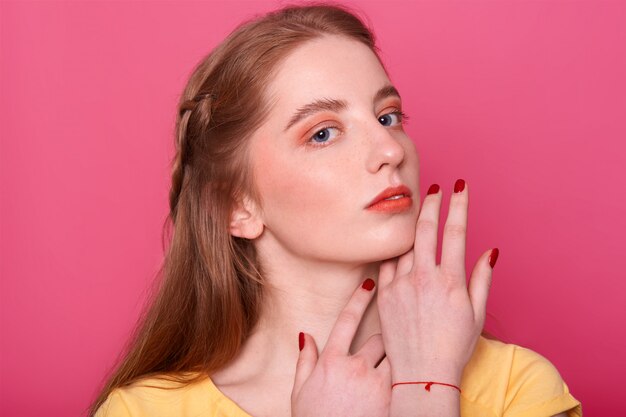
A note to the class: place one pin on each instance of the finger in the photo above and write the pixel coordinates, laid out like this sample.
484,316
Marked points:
373,350
343,331
479,285
306,362
405,263
454,234
387,272
425,246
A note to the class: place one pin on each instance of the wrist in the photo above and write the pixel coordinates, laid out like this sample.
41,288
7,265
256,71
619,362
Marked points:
415,401
427,384
449,375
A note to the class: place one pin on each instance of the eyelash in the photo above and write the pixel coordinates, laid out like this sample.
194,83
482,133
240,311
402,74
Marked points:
403,117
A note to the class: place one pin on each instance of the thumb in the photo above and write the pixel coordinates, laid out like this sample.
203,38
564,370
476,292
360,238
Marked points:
306,362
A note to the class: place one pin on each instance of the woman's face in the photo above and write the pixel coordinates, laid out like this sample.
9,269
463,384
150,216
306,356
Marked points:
317,175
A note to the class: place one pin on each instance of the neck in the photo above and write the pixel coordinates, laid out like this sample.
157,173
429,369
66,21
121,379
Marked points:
300,295
310,298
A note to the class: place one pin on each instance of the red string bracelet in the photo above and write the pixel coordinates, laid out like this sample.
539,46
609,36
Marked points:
428,384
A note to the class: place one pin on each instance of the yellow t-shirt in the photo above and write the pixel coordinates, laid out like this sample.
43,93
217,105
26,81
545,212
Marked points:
499,380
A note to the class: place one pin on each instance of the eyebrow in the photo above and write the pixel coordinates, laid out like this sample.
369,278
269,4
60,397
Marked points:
336,105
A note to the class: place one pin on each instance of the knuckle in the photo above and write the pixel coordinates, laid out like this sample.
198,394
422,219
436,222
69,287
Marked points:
426,226
408,286
420,275
452,271
385,296
360,366
349,316
326,363
409,283
359,362
455,230
446,269
452,288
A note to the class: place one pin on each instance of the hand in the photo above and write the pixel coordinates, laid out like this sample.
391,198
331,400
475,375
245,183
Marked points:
430,323
337,383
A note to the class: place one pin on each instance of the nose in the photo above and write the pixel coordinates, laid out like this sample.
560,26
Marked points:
385,149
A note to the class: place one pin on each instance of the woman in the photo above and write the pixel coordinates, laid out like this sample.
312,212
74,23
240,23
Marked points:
295,201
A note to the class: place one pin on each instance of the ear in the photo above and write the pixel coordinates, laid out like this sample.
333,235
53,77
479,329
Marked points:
245,220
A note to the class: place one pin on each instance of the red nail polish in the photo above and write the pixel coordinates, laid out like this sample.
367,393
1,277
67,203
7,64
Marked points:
301,340
368,284
493,257
459,186
434,189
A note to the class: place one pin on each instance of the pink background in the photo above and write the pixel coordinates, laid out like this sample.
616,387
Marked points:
524,100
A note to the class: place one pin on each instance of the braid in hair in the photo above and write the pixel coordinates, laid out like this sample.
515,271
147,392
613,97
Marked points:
210,293
196,111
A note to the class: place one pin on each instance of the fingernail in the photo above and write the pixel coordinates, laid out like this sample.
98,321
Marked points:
459,186
301,340
368,284
434,189
493,257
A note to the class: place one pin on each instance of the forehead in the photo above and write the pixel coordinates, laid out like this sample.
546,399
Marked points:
330,66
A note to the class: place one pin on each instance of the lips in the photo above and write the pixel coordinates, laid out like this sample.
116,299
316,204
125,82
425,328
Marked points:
390,192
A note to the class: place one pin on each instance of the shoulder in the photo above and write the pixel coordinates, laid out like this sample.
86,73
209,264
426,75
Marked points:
514,381
157,396
169,395
536,385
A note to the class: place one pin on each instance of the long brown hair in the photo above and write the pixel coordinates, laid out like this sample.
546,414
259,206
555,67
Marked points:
212,288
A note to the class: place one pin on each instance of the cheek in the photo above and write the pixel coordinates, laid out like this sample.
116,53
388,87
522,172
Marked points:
295,194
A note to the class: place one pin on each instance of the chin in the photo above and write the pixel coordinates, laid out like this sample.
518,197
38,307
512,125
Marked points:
392,247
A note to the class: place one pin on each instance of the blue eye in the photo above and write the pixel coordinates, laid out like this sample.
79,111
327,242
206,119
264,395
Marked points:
323,135
388,117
